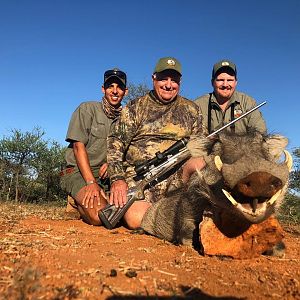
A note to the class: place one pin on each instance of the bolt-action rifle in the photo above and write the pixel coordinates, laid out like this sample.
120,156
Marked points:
154,171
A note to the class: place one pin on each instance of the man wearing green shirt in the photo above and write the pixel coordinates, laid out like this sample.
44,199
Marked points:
225,103
86,154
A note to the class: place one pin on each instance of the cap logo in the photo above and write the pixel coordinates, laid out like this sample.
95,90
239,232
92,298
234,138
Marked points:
171,62
225,63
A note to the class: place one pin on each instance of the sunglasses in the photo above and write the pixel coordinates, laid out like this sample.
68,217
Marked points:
116,73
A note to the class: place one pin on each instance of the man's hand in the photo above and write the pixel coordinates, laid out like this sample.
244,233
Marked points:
103,171
92,195
118,193
193,164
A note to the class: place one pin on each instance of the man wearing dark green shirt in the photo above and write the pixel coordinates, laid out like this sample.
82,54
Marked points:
225,103
86,154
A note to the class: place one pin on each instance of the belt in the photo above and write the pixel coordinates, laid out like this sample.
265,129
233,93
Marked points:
66,171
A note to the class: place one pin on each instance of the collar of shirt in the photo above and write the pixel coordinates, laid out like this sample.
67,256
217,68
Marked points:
154,97
215,104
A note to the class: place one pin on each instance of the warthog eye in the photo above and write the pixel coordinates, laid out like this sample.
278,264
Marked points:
276,183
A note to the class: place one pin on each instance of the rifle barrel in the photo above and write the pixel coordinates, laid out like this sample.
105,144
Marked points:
238,118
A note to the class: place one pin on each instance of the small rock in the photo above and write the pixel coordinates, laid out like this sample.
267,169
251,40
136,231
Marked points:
131,273
113,273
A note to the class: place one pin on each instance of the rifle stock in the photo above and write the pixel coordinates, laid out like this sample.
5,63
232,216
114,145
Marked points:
111,215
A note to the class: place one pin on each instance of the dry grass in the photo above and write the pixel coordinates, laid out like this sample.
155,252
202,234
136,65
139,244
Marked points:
11,211
18,278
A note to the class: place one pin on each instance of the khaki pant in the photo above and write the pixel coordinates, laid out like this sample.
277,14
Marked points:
73,182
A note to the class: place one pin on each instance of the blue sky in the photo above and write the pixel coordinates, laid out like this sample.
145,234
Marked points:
53,54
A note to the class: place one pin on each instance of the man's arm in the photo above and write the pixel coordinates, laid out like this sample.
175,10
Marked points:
192,164
92,188
121,134
202,103
255,119
115,154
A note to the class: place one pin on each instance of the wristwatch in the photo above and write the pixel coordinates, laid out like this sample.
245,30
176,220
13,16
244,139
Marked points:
90,182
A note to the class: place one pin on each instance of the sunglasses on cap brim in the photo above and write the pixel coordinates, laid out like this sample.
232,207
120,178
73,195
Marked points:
116,73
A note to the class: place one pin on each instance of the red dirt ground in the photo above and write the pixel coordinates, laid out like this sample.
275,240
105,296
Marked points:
44,256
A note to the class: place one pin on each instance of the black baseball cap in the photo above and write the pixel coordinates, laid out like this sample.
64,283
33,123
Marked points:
115,75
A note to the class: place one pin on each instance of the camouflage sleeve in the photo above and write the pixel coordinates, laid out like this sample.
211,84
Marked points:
202,103
197,128
118,141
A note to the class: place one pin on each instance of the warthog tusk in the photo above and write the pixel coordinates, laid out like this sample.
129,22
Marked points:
229,197
288,159
274,197
218,162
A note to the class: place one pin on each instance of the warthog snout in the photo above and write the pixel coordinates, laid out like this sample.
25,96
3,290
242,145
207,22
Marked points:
258,185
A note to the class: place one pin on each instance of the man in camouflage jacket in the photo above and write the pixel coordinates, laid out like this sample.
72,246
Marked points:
147,125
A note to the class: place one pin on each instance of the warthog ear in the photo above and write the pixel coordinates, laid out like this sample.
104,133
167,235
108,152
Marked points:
274,145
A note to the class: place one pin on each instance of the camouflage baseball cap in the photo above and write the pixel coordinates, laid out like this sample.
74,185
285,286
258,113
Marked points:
115,74
168,63
223,64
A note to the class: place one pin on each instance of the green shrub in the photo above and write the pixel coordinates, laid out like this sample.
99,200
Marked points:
290,210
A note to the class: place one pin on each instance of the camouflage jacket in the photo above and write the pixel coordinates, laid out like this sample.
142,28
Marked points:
147,126
242,103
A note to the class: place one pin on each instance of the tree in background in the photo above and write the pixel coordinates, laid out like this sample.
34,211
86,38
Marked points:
295,175
5,184
19,150
29,167
48,165
135,91
290,210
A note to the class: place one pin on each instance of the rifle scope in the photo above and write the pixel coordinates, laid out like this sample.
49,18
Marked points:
160,157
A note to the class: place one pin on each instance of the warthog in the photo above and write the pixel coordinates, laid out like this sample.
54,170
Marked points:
245,177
